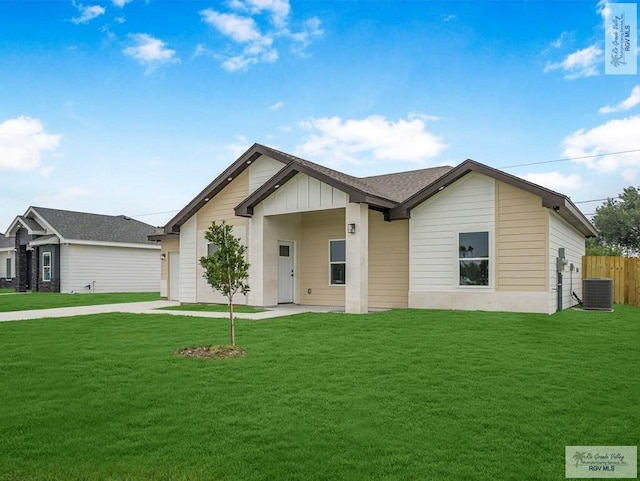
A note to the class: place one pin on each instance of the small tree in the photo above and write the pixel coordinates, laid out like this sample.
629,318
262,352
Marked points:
618,221
226,269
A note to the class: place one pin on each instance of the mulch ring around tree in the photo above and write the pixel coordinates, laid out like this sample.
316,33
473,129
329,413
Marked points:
212,352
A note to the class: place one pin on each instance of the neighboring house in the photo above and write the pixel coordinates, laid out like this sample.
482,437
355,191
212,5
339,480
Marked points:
65,251
7,262
469,237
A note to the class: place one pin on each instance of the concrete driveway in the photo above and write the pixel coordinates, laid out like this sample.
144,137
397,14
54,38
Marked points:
151,308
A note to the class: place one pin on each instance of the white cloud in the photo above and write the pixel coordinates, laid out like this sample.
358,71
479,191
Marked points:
278,10
277,106
239,147
555,180
561,40
88,13
311,29
616,135
23,142
240,29
581,63
244,31
120,3
626,104
335,141
150,52
255,37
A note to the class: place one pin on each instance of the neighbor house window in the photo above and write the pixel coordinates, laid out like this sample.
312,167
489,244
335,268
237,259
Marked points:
473,258
8,272
337,262
46,266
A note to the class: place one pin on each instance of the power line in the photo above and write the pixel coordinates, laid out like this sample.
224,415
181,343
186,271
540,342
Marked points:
155,213
569,158
592,200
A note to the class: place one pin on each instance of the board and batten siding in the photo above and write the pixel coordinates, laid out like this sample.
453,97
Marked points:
219,208
316,229
468,205
112,269
561,234
261,170
388,262
303,193
522,234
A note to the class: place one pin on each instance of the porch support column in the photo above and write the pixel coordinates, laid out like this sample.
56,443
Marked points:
357,245
255,254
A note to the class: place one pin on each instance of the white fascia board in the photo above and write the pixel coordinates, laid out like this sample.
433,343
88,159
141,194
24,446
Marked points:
110,244
48,226
49,240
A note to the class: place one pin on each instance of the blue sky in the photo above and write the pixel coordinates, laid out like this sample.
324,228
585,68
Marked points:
132,107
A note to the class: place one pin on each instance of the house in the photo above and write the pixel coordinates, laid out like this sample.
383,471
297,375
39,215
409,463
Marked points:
65,251
465,237
7,262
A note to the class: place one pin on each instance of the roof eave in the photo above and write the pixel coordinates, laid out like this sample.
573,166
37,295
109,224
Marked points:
553,200
245,208
231,172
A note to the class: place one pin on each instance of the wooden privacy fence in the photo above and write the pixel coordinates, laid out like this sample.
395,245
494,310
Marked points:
625,272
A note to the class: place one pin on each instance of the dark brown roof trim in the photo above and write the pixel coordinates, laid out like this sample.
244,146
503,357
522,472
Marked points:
161,237
553,200
245,208
219,183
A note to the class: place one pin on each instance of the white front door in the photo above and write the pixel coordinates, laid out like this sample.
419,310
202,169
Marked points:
174,276
285,272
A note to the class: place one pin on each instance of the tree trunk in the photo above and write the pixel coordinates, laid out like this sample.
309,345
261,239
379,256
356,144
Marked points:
233,331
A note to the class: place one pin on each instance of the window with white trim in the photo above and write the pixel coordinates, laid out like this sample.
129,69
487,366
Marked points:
46,266
8,273
473,258
337,262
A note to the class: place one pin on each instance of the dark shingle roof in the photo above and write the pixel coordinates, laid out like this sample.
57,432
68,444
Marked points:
396,187
6,241
32,224
96,227
402,185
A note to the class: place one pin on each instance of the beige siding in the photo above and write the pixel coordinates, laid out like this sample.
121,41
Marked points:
522,231
167,246
388,262
317,228
220,208
262,170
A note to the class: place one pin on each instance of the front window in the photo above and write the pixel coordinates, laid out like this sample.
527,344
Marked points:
8,272
337,262
473,258
212,248
46,266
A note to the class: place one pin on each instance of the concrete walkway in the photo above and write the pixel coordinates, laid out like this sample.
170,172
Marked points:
151,308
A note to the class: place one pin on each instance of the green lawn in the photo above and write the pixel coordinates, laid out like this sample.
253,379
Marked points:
7,291
387,396
48,300
212,308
